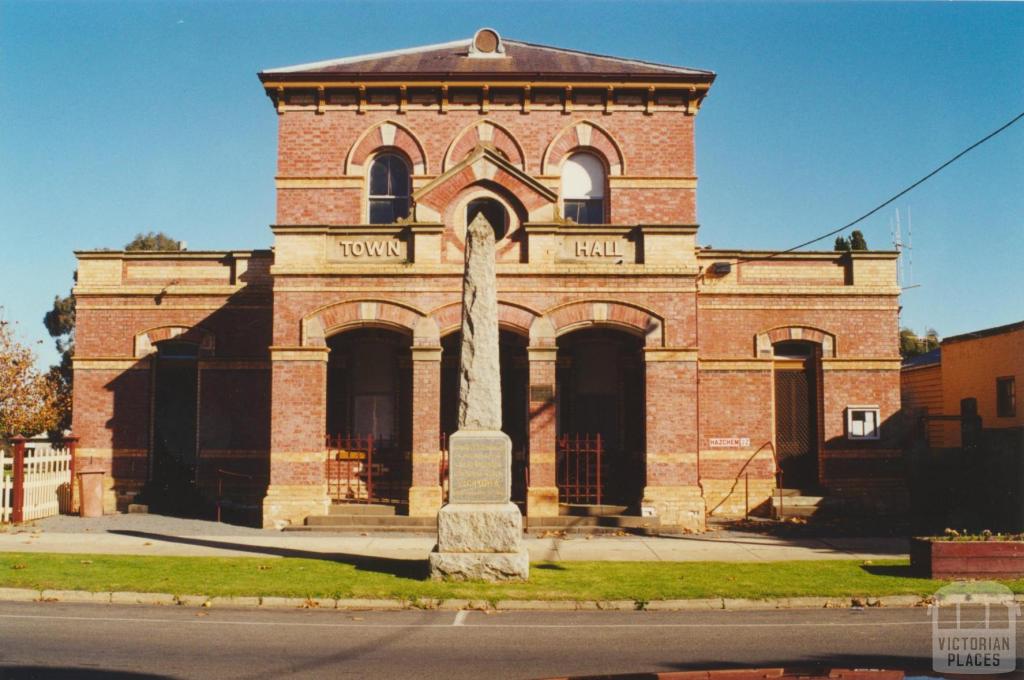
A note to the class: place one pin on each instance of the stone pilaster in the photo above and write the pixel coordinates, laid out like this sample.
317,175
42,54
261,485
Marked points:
298,422
425,494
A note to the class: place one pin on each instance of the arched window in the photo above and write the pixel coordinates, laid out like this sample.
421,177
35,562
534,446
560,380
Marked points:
389,189
583,189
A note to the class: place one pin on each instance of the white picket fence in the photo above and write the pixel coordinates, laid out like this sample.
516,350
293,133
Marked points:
6,486
47,487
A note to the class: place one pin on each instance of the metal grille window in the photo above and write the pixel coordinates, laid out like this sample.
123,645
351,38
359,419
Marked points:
1006,397
389,189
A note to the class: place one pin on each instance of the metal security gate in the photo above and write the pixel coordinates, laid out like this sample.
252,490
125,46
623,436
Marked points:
365,469
796,431
578,469
350,468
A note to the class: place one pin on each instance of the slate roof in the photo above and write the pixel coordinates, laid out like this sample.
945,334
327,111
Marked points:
926,359
521,59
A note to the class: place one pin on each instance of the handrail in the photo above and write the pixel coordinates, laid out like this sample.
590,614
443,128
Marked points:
220,486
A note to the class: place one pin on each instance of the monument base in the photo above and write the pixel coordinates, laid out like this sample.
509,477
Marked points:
480,566
479,542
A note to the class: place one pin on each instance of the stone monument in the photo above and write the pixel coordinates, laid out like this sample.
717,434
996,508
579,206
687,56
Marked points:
479,531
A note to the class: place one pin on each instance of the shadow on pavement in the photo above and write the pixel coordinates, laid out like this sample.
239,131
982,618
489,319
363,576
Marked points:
69,673
412,569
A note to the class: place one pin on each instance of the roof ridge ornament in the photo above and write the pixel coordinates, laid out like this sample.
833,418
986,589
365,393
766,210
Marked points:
486,44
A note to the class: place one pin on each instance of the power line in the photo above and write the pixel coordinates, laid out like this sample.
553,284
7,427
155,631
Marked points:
893,198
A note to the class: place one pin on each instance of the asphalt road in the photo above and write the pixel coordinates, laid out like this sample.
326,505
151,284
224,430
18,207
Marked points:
53,640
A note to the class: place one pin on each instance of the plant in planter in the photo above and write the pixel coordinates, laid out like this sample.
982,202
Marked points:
959,554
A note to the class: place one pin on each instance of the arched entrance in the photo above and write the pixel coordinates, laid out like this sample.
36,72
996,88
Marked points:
797,373
514,405
369,379
171,487
601,393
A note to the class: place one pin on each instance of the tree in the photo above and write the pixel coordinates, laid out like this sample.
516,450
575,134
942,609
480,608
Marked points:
157,241
30,401
855,242
911,345
60,320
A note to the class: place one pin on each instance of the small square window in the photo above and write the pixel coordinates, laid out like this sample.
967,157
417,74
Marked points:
1006,397
862,422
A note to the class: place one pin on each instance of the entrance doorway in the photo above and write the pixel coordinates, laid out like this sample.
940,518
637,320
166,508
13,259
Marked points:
797,412
600,392
515,378
369,394
171,488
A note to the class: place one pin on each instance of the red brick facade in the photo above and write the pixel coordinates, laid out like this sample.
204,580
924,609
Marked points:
262,322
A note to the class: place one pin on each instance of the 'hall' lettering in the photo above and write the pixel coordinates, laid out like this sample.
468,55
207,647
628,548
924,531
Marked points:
598,249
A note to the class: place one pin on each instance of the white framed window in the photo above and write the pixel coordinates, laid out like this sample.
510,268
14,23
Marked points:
389,189
862,422
583,181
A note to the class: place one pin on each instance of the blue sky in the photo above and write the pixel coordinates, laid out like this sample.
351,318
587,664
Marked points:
123,117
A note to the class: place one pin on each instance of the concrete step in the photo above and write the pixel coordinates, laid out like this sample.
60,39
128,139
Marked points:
362,529
786,492
586,522
801,506
575,510
801,501
361,509
369,521
787,511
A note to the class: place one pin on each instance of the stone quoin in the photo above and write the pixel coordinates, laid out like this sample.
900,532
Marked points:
704,372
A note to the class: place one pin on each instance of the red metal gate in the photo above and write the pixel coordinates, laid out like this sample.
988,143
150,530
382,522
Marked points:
350,468
578,468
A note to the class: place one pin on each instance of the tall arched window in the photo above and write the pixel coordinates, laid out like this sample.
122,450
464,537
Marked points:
583,180
389,189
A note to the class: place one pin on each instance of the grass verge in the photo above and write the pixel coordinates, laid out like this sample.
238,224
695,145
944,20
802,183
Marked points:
405,579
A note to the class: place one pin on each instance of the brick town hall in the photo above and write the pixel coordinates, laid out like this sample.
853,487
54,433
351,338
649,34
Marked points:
639,369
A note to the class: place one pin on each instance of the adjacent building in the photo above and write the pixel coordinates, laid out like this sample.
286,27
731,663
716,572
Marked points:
706,372
985,366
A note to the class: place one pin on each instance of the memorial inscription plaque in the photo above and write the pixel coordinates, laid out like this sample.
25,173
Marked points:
479,468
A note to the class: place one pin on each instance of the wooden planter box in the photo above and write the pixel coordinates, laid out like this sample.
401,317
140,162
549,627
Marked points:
943,559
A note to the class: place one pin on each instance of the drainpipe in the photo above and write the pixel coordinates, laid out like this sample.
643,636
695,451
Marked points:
696,340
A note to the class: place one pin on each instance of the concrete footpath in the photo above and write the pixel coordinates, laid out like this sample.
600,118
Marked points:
154,535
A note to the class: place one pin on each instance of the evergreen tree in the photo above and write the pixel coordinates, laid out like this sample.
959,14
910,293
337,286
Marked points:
857,241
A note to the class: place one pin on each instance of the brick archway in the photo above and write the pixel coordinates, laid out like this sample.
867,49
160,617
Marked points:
583,135
336,317
145,342
764,340
391,134
518,318
488,134
625,315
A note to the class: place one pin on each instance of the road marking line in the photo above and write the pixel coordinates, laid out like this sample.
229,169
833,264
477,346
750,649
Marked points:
639,625
460,617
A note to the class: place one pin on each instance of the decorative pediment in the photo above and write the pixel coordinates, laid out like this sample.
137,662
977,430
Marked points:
484,165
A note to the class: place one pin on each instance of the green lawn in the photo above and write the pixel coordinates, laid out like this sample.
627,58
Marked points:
377,578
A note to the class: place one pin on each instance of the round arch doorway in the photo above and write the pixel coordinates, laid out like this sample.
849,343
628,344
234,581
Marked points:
600,393
369,394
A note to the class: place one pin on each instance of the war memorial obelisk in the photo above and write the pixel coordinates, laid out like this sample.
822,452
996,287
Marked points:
479,531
